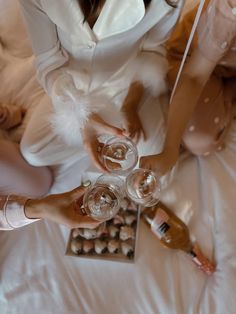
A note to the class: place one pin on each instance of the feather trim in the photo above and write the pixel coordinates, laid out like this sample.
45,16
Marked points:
151,69
72,108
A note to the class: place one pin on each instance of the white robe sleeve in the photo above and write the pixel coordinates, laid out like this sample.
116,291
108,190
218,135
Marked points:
72,106
43,35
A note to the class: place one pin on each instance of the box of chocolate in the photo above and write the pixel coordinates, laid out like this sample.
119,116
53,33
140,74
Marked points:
113,240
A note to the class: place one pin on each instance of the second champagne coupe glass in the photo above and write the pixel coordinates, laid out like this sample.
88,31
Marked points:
143,187
119,155
103,199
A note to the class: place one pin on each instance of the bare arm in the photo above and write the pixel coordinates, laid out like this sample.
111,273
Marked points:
132,123
196,73
17,211
10,116
133,96
62,209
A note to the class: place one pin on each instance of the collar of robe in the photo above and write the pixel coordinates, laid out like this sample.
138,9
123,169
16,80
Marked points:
116,17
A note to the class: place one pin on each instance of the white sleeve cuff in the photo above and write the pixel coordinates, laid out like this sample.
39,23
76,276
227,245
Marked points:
15,212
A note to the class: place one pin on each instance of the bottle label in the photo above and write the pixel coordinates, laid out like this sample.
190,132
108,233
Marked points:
160,225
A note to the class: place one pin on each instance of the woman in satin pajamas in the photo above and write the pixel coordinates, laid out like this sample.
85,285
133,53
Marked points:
201,109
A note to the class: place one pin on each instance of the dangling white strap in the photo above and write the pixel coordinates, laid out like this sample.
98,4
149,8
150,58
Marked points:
198,15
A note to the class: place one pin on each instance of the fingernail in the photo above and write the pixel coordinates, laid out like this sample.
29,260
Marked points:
86,183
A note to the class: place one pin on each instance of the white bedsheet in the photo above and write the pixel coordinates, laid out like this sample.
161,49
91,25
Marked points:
36,277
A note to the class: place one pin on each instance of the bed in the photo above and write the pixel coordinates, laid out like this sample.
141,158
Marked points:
37,277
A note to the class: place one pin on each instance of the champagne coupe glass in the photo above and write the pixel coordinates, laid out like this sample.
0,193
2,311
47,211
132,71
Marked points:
143,187
119,155
103,199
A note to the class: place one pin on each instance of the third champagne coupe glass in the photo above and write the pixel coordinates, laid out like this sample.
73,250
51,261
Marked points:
143,187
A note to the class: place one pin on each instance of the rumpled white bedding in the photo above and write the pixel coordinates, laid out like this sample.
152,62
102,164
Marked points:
35,275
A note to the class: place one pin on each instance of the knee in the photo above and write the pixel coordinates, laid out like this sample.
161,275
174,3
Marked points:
38,180
40,177
41,183
201,143
29,152
19,177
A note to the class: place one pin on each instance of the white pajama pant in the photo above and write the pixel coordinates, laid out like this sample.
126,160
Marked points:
18,177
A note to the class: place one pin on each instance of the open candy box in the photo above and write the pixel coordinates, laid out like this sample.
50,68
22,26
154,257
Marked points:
114,240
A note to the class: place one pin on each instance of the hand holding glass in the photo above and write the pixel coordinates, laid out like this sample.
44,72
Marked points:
103,199
143,187
119,156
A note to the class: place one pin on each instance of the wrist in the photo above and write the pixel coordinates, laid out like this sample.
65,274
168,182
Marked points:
32,209
130,106
133,97
171,150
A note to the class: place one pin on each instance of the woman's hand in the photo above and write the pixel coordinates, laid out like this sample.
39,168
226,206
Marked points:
133,125
61,208
161,163
10,116
95,127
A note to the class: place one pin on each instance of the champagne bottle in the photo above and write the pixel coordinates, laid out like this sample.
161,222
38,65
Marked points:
174,234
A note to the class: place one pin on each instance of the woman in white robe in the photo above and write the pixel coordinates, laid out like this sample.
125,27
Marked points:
91,75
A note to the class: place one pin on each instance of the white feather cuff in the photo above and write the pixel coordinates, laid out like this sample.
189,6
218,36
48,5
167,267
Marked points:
151,68
72,109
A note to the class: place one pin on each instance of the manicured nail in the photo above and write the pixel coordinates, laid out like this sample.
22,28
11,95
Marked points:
86,183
